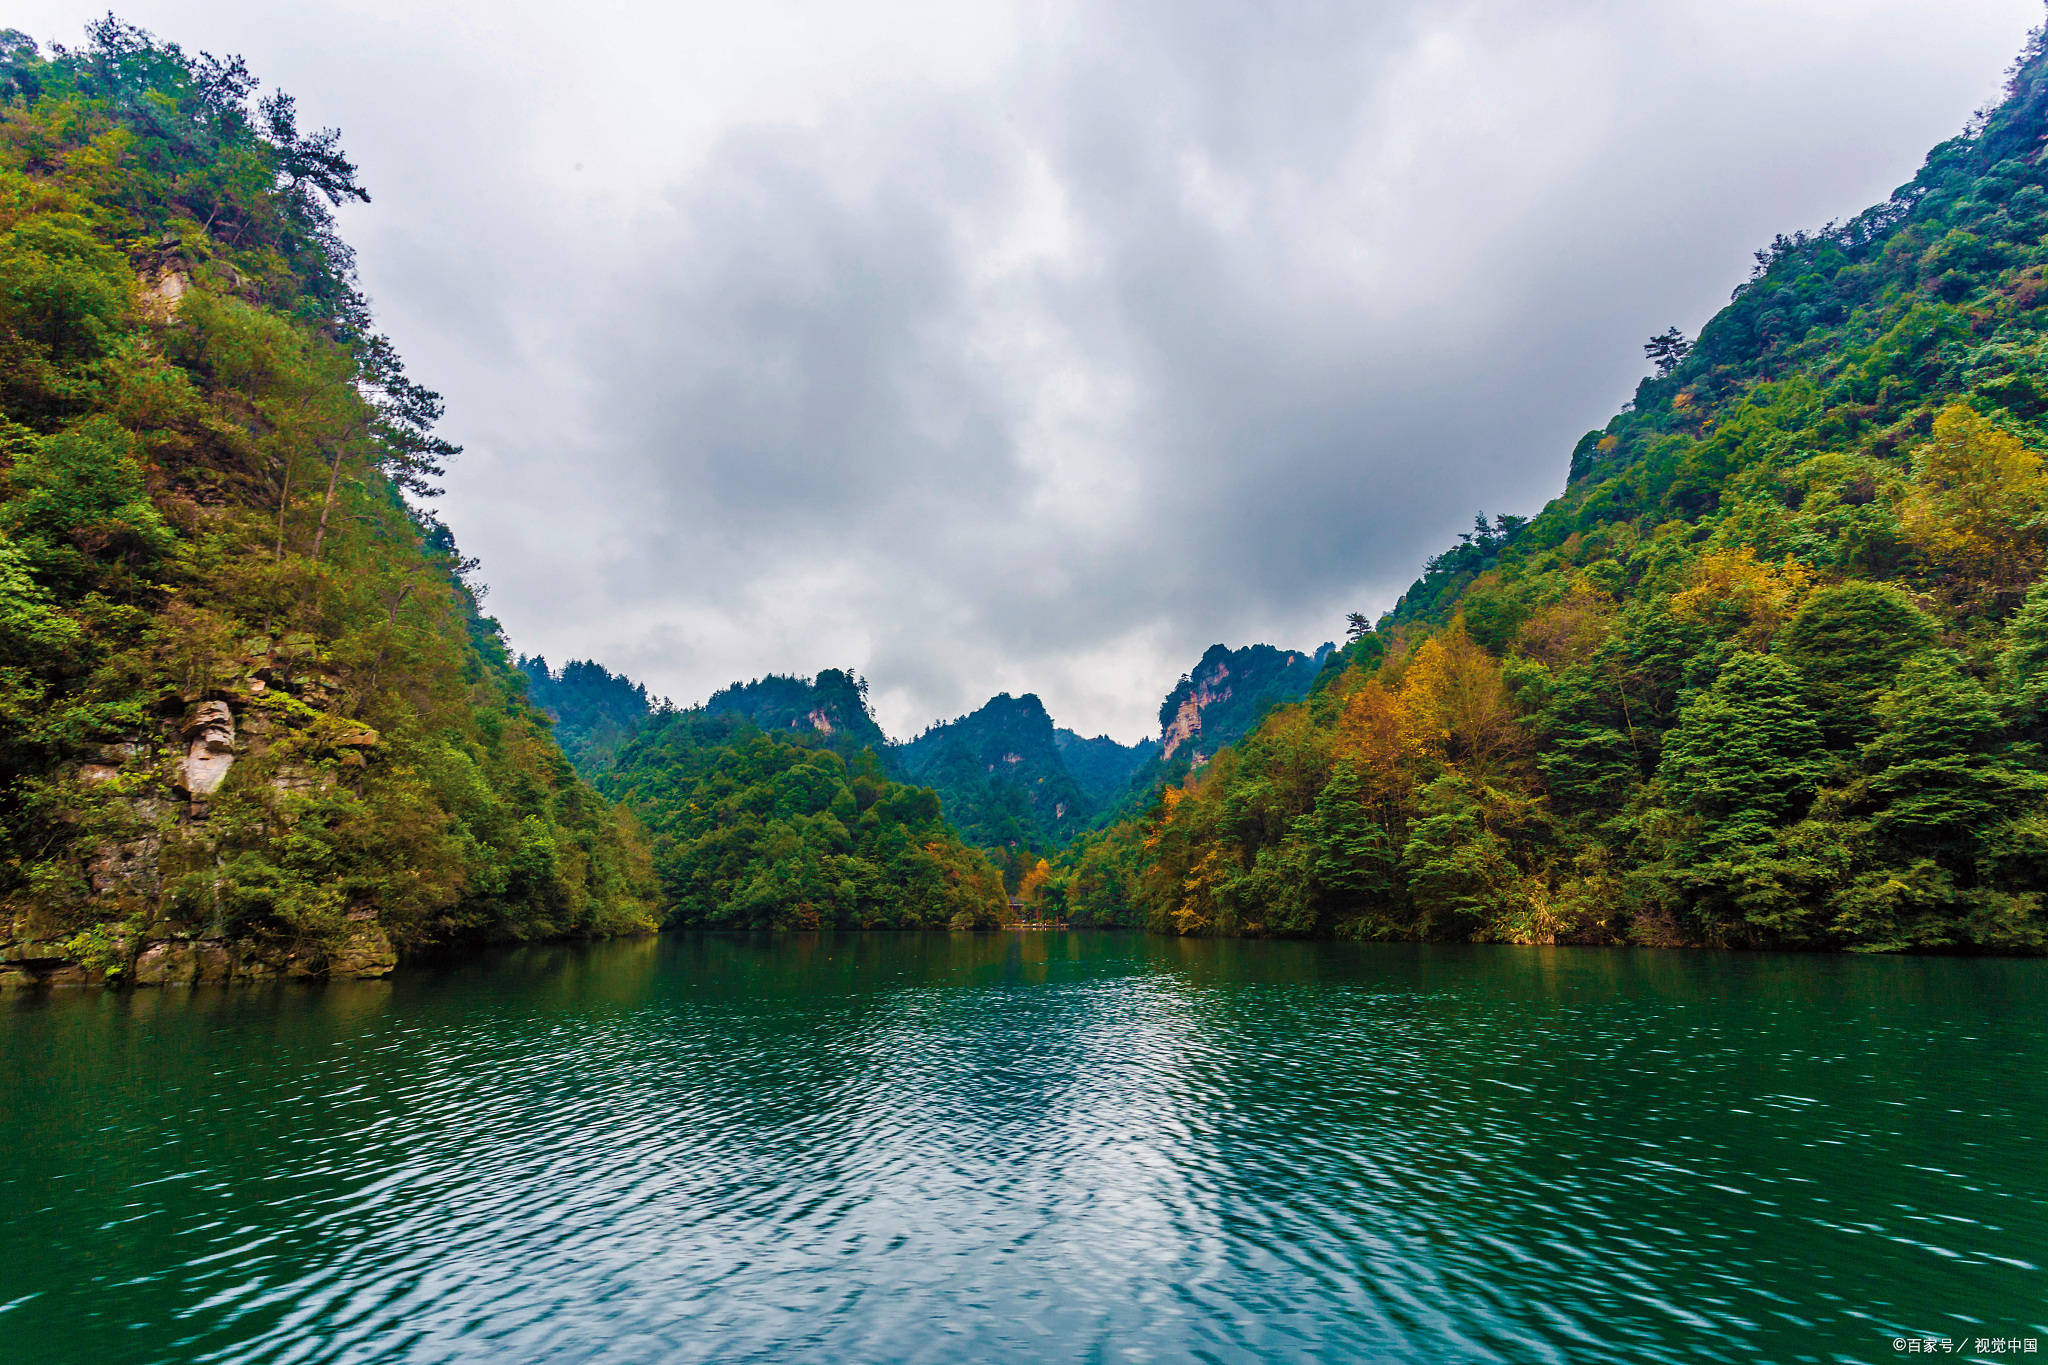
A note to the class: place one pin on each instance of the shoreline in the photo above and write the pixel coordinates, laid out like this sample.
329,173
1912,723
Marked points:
47,965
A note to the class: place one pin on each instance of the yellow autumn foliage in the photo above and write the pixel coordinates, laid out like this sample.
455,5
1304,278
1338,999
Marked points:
1743,596
1455,703
1975,506
1568,630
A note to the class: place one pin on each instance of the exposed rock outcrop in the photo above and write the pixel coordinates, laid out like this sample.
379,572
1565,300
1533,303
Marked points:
1223,696
1185,725
151,836
182,961
210,734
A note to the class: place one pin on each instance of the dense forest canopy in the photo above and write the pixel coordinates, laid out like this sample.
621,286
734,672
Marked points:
832,706
1768,673
251,718
1002,774
776,829
594,709
1103,768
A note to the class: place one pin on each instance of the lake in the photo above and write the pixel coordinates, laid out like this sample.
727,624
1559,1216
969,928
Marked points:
1035,1147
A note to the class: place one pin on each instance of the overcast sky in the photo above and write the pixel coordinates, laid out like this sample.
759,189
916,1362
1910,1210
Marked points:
1037,348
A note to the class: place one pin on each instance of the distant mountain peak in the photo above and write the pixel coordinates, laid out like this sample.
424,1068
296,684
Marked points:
1222,697
833,706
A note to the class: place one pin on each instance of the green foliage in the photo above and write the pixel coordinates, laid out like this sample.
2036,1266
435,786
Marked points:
1772,670
1355,860
79,509
1233,688
754,830
209,468
830,709
1459,870
2025,664
594,710
1099,880
64,299
1939,773
1102,768
1745,757
1002,774
1849,641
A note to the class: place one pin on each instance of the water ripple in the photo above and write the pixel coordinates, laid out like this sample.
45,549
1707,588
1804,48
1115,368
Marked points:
1045,1147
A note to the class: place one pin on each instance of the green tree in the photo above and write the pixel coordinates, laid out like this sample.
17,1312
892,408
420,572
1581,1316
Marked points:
1938,774
1746,755
1460,871
1850,642
2024,667
80,510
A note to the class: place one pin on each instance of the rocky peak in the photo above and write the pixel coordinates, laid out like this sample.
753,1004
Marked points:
1225,692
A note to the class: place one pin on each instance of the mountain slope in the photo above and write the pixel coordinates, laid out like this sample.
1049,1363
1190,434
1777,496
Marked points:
1768,673
1000,773
775,829
832,706
1007,777
1101,767
594,710
1226,692
251,720
1010,778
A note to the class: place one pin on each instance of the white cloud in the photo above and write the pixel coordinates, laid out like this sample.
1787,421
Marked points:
1036,348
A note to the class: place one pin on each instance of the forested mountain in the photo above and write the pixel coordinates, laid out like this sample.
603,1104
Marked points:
1770,672
1224,695
1213,705
1102,767
1001,774
832,706
1007,777
251,719
759,829
594,709
1010,779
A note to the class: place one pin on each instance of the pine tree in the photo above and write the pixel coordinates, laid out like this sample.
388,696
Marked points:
1588,759
1354,858
1746,755
1460,871
1938,773
2025,666
1850,641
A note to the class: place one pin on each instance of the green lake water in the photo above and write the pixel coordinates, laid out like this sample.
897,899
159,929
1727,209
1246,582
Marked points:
1043,1147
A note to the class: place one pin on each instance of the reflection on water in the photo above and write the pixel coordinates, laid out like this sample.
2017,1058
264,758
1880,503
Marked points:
1040,1147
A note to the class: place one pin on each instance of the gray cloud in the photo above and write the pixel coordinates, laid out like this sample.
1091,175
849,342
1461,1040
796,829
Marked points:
1037,349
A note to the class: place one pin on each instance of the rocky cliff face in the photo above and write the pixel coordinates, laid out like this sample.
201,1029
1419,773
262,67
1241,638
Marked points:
831,707
1187,719
251,720
148,801
1222,697
1008,777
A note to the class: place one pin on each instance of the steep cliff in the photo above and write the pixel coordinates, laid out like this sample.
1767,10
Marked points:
251,720
832,708
1226,692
